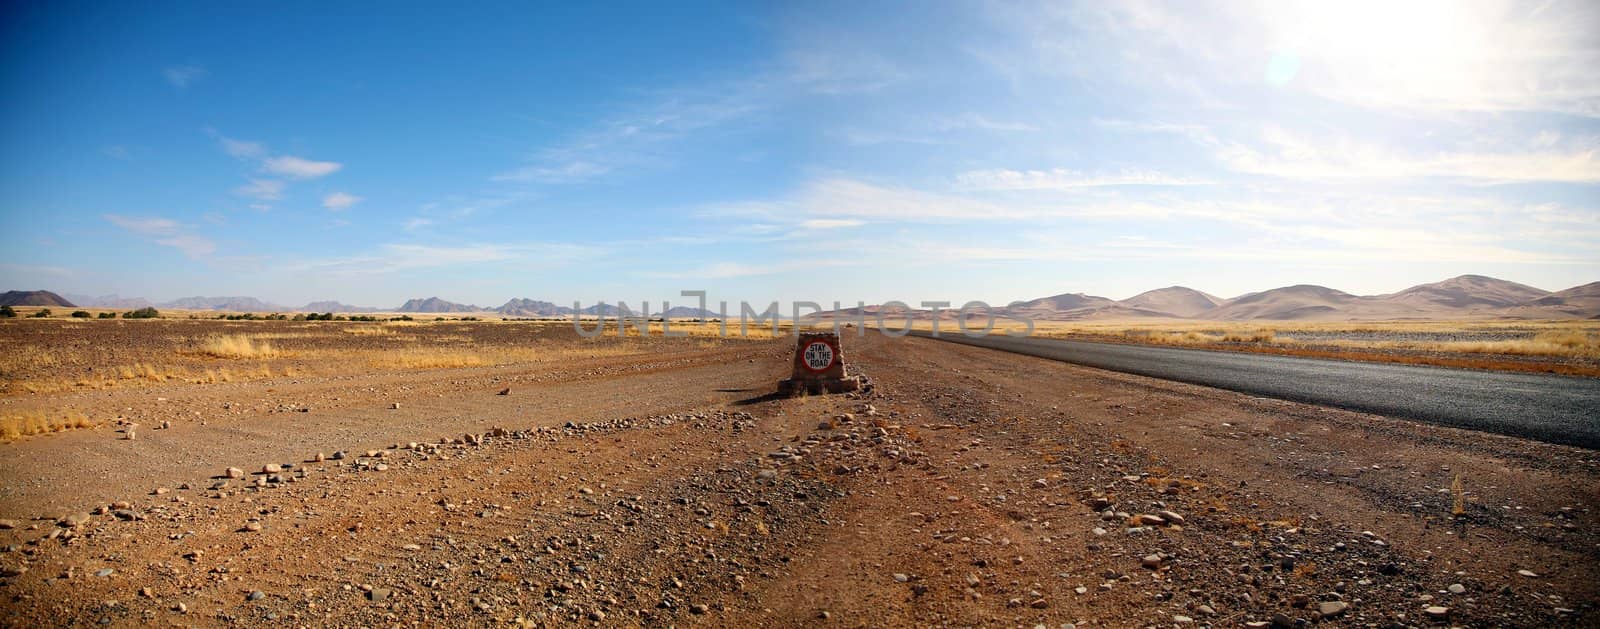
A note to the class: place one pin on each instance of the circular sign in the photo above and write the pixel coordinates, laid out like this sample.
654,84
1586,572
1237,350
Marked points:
818,356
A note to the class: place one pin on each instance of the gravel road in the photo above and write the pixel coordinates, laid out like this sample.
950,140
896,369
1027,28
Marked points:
1555,409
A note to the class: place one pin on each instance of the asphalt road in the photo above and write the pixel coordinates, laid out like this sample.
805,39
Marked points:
1550,408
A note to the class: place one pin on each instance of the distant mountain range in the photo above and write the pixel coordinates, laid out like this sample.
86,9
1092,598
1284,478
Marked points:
1467,296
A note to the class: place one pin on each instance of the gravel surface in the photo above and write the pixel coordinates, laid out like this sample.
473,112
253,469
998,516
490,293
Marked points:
969,487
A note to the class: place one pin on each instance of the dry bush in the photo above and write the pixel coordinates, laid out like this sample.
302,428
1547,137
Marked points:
18,425
236,346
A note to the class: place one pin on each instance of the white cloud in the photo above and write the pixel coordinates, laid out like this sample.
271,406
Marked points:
1061,179
1420,56
340,200
393,257
414,224
299,167
573,172
184,75
241,148
167,232
263,189
830,223
1292,156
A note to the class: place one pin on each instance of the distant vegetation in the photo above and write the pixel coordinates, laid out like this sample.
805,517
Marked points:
108,315
80,314
42,313
142,313
7,312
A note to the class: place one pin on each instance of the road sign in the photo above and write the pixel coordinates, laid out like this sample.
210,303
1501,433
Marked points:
818,356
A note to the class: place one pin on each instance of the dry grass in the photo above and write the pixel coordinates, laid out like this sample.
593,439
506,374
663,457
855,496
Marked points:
368,330
236,346
429,358
21,424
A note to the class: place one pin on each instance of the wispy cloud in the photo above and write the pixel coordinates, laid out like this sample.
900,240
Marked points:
183,76
290,166
641,134
394,257
242,149
340,201
262,189
167,232
1283,154
299,167
573,172
1062,179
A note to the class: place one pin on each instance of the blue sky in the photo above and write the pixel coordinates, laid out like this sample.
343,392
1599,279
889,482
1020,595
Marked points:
923,151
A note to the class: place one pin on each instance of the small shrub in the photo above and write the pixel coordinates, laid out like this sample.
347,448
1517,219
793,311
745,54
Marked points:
7,312
42,313
143,313
80,314
108,315
236,346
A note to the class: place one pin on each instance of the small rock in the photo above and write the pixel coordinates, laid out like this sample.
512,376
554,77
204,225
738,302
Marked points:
271,468
234,472
901,577
1039,603
1171,516
379,594
76,520
319,458
699,608
256,595
8,524
252,526
505,391
181,608
1528,573
104,572
596,615
1436,611
338,456
1330,609
1457,588
1152,562
394,406
1182,620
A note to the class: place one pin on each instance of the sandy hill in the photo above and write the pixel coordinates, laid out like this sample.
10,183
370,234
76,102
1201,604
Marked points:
335,306
1302,301
230,304
1581,302
522,307
33,298
1467,292
108,301
434,304
1177,300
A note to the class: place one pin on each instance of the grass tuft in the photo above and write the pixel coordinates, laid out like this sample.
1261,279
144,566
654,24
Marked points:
19,425
236,346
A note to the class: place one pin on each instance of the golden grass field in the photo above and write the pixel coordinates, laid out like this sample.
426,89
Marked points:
39,356
1567,347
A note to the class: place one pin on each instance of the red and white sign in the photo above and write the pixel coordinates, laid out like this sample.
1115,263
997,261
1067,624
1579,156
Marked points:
818,356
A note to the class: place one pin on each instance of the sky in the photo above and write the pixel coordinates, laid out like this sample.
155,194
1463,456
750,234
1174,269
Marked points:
952,151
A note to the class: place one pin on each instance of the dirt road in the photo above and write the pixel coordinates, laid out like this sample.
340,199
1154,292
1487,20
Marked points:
972,487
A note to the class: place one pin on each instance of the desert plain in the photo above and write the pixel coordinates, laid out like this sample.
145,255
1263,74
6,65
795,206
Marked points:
423,473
